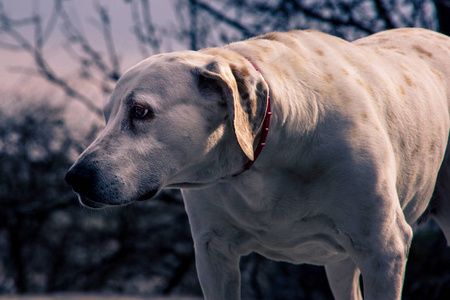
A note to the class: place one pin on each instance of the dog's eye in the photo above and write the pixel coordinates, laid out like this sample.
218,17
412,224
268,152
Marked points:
139,111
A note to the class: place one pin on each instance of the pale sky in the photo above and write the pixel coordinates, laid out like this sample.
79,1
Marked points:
84,16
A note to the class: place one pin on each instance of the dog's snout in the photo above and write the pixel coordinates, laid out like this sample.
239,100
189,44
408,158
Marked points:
80,179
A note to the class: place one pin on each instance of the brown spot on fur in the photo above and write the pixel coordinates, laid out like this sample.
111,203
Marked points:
379,52
266,50
173,59
432,146
328,77
279,73
436,74
241,72
348,59
402,92
364,117
390,115
415,152
402,143
273,36
408,80
370,90
366,86
422,50
320,52
345,72
403,67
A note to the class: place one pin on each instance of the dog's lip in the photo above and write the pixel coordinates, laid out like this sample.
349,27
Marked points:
87,202
93,204
148,195
190,185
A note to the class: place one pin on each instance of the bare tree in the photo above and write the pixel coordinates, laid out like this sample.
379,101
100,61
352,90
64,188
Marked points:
35,47
223,21
443,9
148,36
99,68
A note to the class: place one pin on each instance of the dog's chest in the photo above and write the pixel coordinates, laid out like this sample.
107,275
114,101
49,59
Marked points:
309,239
285,223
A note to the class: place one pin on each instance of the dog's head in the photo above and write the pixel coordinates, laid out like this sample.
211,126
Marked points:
178,120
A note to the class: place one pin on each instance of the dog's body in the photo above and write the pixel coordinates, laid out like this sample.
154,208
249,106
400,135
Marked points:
357,138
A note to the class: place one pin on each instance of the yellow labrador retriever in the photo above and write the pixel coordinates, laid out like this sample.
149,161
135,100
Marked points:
355,139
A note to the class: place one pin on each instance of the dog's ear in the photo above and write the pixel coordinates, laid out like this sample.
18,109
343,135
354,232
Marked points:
245,93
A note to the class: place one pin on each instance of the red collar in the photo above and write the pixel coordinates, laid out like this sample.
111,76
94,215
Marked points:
264,130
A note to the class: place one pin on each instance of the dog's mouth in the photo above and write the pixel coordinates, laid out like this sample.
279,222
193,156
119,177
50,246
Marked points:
191,185
89,203
93,204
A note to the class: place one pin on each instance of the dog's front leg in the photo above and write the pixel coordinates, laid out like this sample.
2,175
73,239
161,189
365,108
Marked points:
217,268
218,245
383,261
343,277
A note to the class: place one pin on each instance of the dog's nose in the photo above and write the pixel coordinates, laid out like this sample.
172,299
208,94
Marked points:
80,179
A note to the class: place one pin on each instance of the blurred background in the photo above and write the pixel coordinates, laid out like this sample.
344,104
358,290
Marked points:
59,61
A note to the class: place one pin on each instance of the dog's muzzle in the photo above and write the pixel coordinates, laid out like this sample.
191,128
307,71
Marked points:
86,183
82,182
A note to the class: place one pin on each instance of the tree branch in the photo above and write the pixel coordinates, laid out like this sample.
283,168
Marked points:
384,14
106,25
42,67
221,16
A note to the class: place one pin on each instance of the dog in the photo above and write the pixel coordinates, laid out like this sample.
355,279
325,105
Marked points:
299,146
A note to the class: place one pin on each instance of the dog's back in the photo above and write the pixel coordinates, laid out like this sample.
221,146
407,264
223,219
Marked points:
434,49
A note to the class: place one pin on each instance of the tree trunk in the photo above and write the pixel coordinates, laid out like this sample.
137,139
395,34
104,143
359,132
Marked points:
443,12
